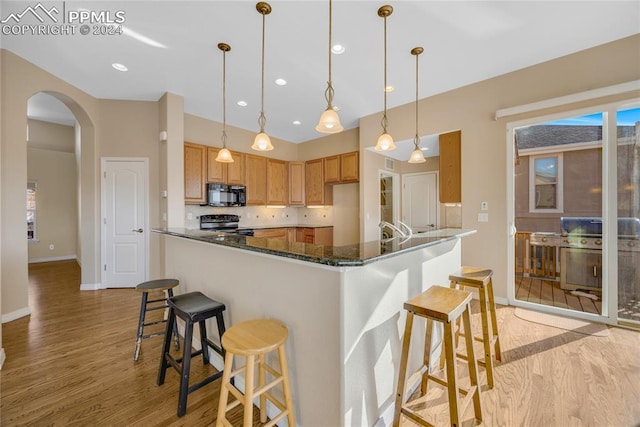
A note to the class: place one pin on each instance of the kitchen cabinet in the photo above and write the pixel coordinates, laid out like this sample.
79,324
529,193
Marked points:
271,233
318,235
216,171
277,182
255,179
195,161
341,168
296,184
235,170
450,167
350,167
332,169
291,234
317,192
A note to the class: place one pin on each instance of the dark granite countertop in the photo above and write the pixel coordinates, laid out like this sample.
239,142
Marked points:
338,256
267,227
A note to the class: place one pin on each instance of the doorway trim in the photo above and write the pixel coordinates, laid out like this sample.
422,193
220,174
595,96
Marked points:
103,211
396,192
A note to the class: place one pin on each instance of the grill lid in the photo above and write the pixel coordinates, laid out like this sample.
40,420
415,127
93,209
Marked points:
592,226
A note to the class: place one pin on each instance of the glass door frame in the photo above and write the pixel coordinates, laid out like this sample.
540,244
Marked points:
609,209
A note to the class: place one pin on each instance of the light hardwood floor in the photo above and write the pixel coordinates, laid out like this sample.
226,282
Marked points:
71,363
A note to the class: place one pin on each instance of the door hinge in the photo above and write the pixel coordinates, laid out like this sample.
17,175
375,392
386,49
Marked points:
105,174
104,220
105,267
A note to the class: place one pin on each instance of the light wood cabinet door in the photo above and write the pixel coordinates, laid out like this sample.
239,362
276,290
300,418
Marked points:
235,170
450,167
277,182
349,167
300,234
316,191
296,184
291,234
271,233
332,169
216,171
256,179
195,164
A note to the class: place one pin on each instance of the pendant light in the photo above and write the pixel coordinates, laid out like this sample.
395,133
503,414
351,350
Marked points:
417,156
329,121
224,155
385,141
262,142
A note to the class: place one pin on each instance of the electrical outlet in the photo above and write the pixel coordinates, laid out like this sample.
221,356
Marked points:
484,206
189,215
51,247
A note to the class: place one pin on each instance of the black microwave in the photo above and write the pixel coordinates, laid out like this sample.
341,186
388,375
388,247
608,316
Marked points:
226,195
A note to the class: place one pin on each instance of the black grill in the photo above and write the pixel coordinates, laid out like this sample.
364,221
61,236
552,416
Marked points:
592,226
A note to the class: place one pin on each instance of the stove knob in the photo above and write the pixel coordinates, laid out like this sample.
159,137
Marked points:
598,242
583,241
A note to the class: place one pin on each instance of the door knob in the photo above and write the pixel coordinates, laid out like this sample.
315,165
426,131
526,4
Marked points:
139,230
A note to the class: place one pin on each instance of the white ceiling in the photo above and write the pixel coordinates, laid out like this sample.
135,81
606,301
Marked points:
464,42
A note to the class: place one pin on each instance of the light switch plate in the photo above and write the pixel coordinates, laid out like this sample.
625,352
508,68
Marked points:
483,217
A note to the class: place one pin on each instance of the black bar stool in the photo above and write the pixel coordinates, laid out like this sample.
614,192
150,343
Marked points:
165,285
192,307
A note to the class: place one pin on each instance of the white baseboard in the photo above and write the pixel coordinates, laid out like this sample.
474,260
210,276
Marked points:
53,258
2,357
501,301
9,317
90,286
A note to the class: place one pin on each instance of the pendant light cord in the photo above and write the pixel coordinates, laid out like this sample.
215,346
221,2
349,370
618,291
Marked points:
416,140
328,94
384,121
224,99
262,120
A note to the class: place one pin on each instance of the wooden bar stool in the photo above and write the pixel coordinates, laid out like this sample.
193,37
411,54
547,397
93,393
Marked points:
480,278
251,339
165,285
192,307
444,305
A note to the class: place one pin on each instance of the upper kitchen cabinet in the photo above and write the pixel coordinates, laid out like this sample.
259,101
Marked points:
277,182
195,164
296,183
341,168
216,171
350,167
332,169
255,179
235,170
450,167
317,192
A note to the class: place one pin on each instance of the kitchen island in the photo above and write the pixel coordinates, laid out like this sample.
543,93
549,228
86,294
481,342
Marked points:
343,306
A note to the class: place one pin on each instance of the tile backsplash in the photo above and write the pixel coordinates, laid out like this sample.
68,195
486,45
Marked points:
261,216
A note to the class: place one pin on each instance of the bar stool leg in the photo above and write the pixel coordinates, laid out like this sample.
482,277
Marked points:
262,380
175,323
406,341
452,374
165,348
186,368
224,389
473,366
494,320
248,390
143,311
203,342
427,356
286,385
486,335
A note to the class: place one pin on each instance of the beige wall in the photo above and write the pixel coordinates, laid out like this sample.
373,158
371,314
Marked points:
329,145
484,148
56,216
51,136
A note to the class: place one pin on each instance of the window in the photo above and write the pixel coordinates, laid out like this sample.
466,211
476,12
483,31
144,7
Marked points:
31,211
545,183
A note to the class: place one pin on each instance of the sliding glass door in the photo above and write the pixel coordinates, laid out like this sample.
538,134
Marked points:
575,253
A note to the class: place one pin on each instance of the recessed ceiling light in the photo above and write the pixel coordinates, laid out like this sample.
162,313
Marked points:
119,67
337,48
297,122
281,82
389,89
242,103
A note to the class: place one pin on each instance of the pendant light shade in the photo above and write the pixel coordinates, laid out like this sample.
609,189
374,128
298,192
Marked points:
224,155
329,121
385,141
417,156
262,142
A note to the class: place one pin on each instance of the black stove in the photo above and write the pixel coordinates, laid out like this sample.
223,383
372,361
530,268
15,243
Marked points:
225,223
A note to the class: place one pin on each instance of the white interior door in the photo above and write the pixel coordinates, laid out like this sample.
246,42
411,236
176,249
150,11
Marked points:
125,228
420,201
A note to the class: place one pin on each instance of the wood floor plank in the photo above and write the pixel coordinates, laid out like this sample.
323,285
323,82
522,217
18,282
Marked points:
83,372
